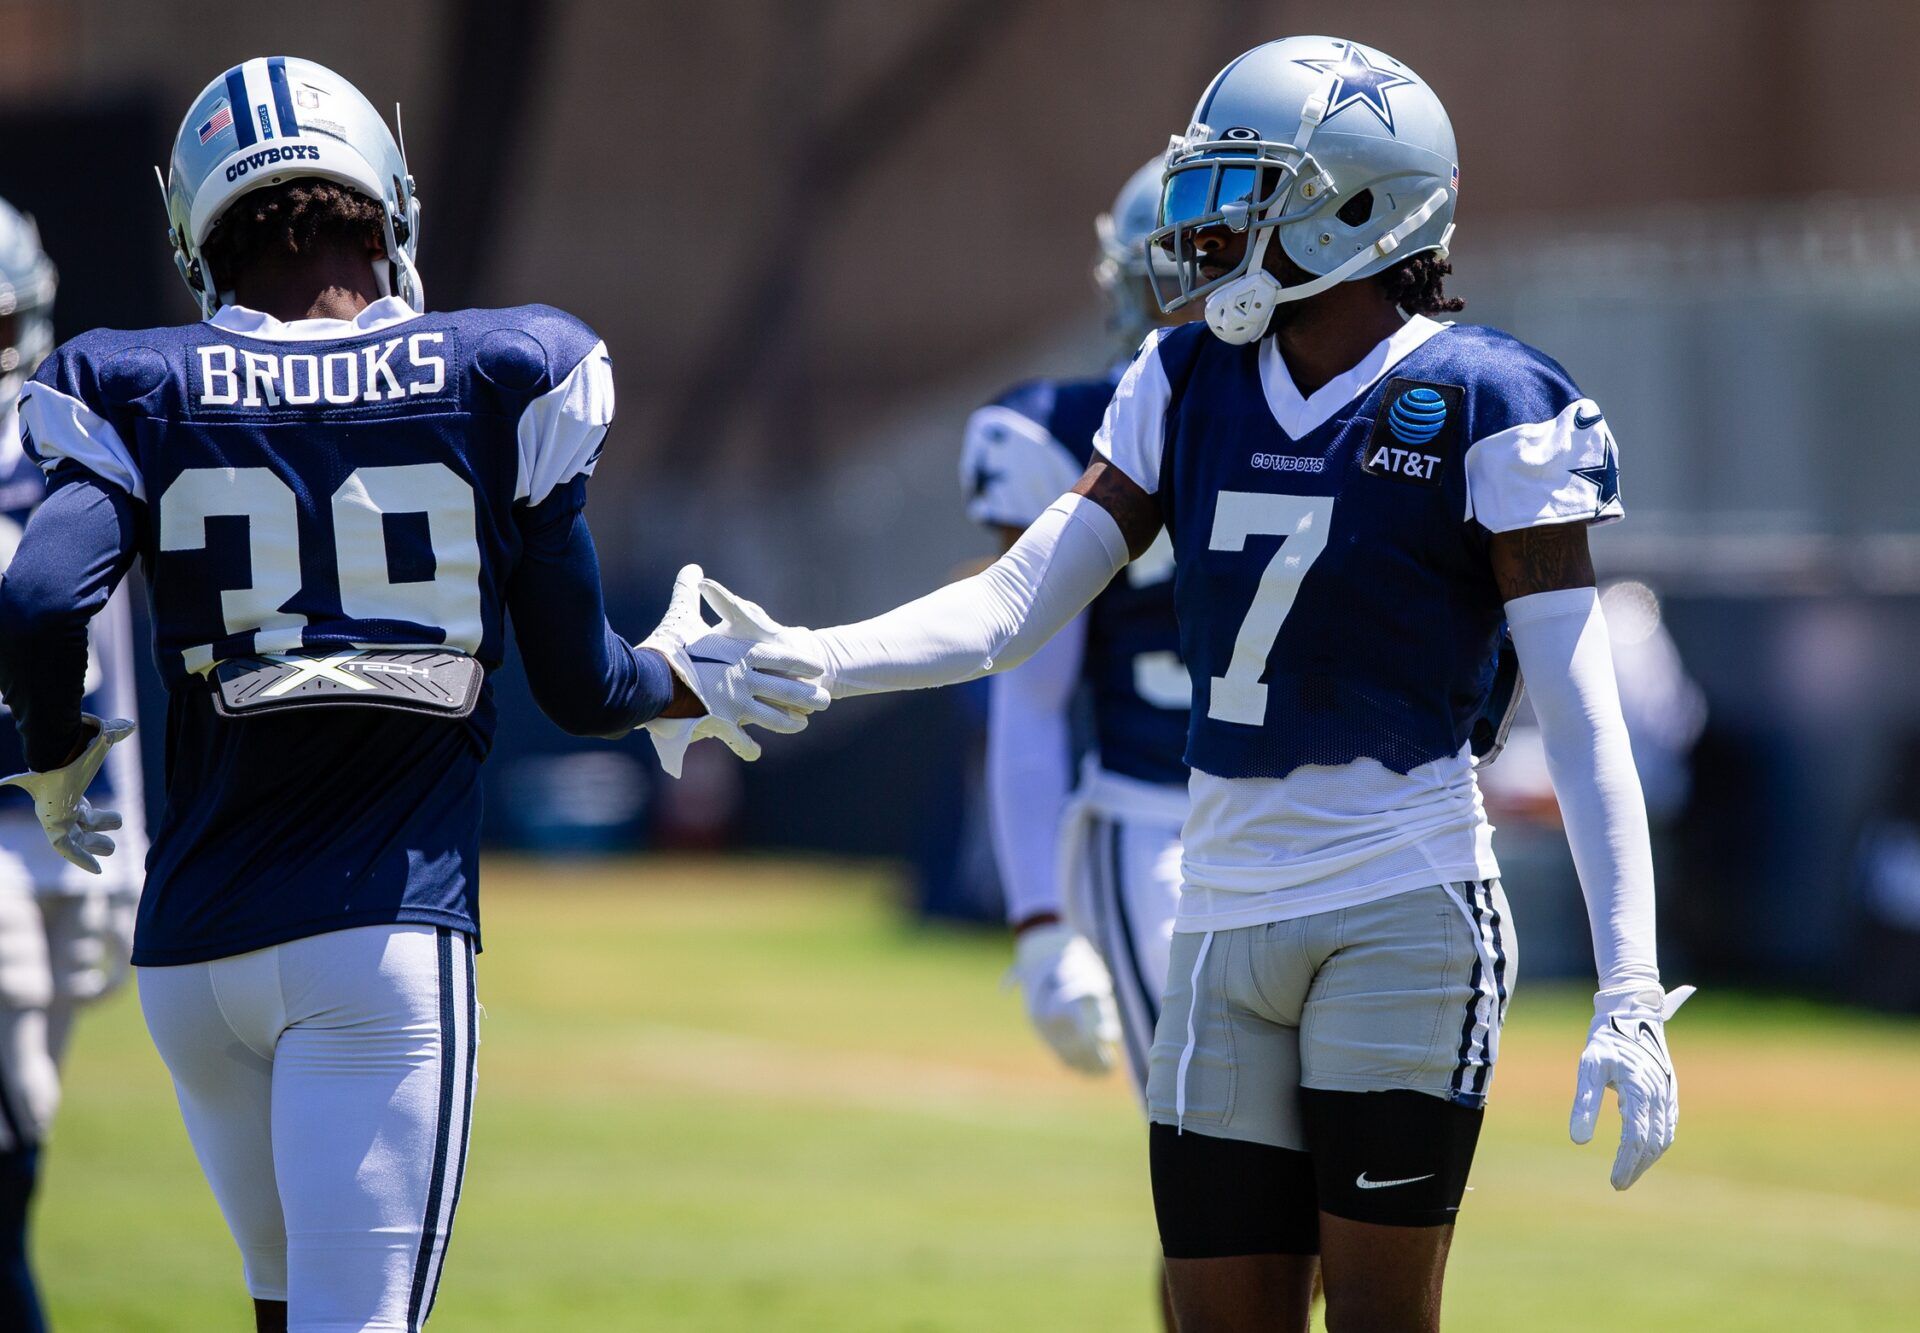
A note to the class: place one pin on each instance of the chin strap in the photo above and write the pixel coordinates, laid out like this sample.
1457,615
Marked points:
1240,311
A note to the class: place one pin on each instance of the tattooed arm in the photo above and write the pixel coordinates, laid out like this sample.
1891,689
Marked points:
1544,559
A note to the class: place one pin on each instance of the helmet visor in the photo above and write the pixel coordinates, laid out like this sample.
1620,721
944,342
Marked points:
1241,187
1194,192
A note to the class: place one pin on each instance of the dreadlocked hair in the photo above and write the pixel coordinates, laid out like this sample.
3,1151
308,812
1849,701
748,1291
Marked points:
289,221
1418,285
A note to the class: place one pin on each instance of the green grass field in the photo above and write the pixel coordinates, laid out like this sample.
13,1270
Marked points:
744,1095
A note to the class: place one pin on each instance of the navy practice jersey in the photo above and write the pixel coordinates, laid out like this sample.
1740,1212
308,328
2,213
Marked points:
1023,452
1335,594
110,684
323,485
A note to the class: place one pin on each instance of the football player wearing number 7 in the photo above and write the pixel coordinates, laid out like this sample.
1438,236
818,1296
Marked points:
1363,502
340,499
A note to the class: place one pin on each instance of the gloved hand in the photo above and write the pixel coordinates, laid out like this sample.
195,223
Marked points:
708,659
77,831
1627,1051
792,651
95,959
1069,996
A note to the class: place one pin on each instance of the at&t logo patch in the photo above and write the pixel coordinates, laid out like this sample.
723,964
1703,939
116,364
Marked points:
1416,431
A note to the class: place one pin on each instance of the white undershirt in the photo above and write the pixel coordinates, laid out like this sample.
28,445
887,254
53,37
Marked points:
1326,837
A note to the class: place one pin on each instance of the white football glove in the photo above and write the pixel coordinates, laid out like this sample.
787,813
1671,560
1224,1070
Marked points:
77,831
791,651
708,659
1069,996
96,959
1627,1051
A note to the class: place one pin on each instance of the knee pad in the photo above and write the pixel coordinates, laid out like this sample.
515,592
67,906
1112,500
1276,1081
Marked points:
1216,1198
1395,1158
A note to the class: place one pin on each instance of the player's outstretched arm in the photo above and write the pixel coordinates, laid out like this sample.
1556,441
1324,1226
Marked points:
992,621
75,550
584,676
1546,576
591,682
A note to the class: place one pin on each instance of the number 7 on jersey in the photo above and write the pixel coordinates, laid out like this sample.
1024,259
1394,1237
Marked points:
1302,521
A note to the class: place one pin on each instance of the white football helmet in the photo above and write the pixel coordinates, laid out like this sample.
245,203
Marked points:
278,119
1338,150
27,283
1121,270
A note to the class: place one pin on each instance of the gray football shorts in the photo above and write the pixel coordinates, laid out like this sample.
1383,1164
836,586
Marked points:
1407,992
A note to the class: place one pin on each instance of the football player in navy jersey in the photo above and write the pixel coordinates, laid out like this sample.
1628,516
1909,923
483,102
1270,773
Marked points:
64,934
1363,502
1091,871
339,498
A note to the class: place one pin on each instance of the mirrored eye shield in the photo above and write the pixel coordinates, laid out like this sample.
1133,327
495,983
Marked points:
1222,179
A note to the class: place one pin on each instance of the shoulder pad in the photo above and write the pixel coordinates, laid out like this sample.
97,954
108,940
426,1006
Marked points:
1508,383
532,347
105,368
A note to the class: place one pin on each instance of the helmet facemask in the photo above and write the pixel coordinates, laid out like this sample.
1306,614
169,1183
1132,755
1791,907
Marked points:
1240,186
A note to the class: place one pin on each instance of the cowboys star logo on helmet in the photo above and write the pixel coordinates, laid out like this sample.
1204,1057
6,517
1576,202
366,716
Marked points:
1345,194
1359,82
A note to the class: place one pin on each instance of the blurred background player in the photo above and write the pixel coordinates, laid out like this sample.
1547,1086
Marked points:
1091,873
1097,863
65,935
338,498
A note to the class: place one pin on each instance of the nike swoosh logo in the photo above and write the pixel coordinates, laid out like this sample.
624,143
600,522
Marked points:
1647,1039
1365,1184
710,661
1581,421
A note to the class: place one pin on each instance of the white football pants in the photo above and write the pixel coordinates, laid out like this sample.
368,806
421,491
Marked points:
1120,881
327,1085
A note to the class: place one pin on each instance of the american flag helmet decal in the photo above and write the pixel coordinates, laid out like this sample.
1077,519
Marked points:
221,119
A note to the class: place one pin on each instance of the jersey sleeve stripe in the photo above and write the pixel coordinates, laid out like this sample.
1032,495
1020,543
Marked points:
1544,472
1132,437
561,432
59,426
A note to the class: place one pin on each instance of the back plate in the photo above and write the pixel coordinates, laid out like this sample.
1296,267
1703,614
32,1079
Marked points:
435,681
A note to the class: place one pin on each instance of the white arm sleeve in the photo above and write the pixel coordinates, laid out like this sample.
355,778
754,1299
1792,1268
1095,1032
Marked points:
991,622
1567,663
1030,769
